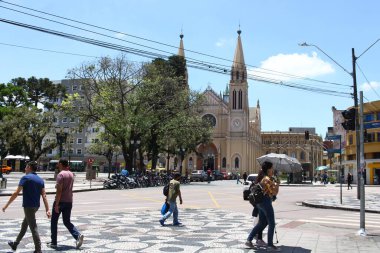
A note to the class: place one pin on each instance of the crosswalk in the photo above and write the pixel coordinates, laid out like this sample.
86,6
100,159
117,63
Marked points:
351,219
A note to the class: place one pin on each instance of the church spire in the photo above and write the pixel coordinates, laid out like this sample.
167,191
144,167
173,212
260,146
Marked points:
238,71
181,52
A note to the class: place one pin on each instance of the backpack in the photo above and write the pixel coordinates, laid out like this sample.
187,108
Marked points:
165,190
256,196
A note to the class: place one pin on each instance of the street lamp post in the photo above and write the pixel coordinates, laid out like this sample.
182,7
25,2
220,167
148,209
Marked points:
135,143
61,134
181,151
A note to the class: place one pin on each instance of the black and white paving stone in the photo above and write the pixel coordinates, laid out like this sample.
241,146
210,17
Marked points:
204,231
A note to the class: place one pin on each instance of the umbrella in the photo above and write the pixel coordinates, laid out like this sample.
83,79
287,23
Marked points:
281,162
321,168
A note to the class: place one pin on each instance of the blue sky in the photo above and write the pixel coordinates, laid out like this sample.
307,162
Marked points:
271,32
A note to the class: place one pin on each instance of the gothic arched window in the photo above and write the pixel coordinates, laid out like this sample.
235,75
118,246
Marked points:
302,156
237,75
234,99
240,105
224,162
236,163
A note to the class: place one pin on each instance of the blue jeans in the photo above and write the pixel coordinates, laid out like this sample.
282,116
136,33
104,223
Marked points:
65,209
172,210
266,216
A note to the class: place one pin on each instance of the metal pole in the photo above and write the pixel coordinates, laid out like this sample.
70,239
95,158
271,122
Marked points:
362,230
341,169
356,121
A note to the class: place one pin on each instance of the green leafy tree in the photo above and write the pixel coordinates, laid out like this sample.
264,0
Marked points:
25,131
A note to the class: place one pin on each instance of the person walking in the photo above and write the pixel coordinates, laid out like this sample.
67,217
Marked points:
174,192
266,212
349,180
63,203
32,187
208,175
245,176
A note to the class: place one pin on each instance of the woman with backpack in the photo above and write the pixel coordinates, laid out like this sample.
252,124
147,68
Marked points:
266,213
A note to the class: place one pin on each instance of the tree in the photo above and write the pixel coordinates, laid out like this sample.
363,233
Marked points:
24,126
40,91
25,130
147,102
107,146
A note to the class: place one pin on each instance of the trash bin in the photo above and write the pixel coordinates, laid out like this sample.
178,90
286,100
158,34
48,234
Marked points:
3,183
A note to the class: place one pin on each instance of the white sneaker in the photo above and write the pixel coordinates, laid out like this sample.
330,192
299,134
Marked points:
79,242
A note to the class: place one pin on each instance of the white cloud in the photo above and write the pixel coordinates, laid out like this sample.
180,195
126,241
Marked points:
119,35
224,42
369,86
221,43
295,64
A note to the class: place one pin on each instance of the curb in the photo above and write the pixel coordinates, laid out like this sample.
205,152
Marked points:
53,192
338,207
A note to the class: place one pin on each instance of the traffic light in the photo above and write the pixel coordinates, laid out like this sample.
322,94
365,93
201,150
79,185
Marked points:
349,116
307,137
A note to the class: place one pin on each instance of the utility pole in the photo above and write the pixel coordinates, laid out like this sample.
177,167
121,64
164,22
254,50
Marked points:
357,125
362,230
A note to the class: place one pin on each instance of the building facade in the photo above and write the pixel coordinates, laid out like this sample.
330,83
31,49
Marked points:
236,138
294,144
371,120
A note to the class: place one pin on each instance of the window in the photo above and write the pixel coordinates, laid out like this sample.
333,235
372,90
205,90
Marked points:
50,151
224,162
71,151
302,156
236,163
370,137
63,151
234,99
75,87
237,75
72,120
240,100
79,151
210,119
95,129
350,139
378,137
64,120
378,116
94,140
55,120
71,141
79,141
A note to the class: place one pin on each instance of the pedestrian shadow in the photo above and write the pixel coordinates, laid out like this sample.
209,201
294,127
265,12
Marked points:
65,248
283,249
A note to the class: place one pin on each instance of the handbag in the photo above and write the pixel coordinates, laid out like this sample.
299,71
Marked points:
165,208
257,195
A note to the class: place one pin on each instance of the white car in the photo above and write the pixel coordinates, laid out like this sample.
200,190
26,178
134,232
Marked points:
251,178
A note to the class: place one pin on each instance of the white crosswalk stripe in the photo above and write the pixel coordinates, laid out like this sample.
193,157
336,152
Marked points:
346,220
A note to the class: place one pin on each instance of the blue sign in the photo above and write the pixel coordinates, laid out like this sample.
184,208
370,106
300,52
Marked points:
333,150
372,125
333,137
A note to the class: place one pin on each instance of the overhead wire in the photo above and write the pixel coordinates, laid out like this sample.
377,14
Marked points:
365,77
47,50
187,50
191,63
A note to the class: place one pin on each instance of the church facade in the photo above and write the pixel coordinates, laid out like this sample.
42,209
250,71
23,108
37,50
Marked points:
236,140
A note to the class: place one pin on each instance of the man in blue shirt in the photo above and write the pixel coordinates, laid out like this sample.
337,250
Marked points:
32,187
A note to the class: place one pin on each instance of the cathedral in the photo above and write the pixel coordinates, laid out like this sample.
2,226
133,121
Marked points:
236,140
